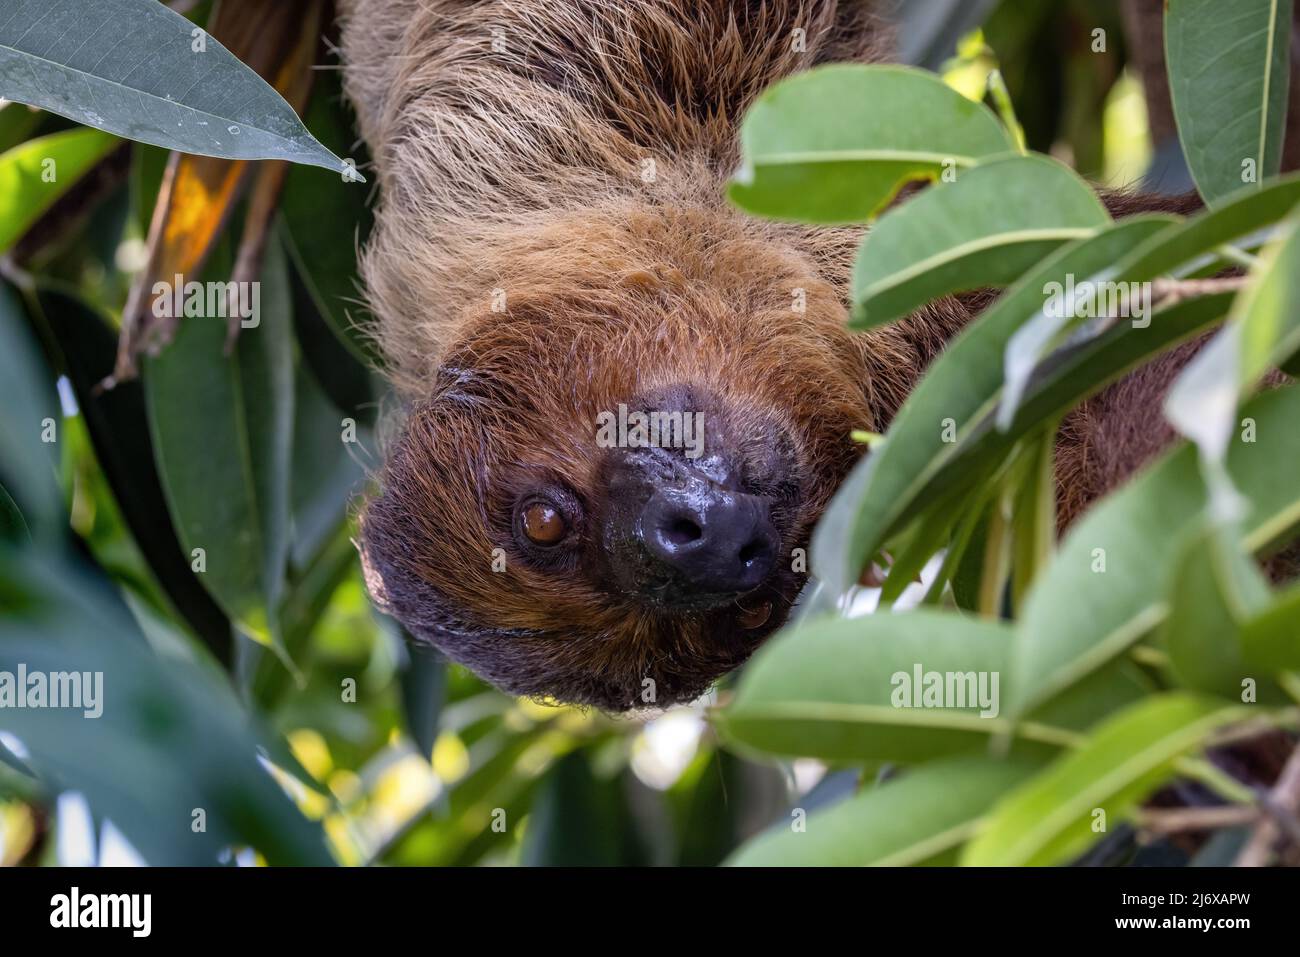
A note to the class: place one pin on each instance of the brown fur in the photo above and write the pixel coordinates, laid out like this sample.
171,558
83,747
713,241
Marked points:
519,171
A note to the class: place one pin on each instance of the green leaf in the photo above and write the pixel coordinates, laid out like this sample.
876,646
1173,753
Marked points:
1191,246
838,689
1216,588
1270,640
1063,380
119,430
962,386
29,413
1079,616
222,432
170,737
835,144
918,818
424,690
140,70
325,226
1229,77
1051,818
579,819
16,124
1263,331
326,469
33,175
829,689
984,229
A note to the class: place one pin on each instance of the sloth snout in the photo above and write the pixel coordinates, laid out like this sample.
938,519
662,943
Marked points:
709,541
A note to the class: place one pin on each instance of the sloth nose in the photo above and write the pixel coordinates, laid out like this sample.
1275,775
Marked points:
714,541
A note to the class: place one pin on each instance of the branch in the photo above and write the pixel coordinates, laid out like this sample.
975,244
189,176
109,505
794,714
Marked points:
1280,805
1171,291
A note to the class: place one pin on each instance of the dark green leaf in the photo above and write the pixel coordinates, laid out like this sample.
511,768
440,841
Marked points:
222,434
1229,74
142,71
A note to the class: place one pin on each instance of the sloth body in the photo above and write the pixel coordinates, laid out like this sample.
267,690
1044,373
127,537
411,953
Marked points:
553,244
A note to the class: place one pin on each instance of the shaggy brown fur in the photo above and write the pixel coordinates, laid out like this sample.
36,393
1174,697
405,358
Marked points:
553,241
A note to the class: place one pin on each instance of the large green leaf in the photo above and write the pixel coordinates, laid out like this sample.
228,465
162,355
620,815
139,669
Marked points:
835,144
142,71
1216,588
827,690
1106,587
1229,78
834,689
962,385
33,175
1262,333
984,229
1050,818
918,818
222,432
171,757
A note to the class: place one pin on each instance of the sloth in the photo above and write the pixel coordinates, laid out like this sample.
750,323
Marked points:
553,247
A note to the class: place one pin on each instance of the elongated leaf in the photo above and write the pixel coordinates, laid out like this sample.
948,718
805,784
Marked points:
1106,587
829,690
962,384
1190,247
919,818
1216,587
142,71
1262,333
985,229
580,820
1051,817
29,414
1270,640
325,226
835,144
848,690
1229,76
168,746
36,173
424,689
119,430
1064,380
222,434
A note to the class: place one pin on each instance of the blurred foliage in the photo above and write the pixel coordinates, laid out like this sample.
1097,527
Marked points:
264,690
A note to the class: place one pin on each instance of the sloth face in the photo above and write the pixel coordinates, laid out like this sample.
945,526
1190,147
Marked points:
606,497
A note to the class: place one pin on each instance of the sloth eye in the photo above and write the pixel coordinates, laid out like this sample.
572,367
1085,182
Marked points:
543,523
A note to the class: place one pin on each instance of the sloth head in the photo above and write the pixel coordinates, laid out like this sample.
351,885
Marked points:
603,496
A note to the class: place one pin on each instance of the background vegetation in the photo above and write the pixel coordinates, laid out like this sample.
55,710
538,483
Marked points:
258,710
